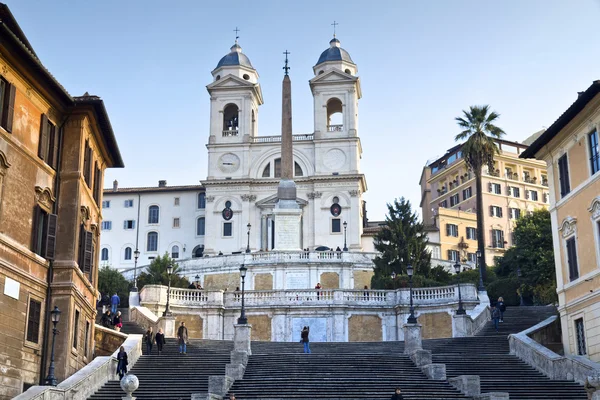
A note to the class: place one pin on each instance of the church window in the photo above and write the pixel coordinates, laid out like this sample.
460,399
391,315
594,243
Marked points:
104,254
335,117
267,171
227,229
127,253
201,200
153,214
246,76
230,118
321,72
335,199
200,226
228,204
277,164
152,242
198,252
175,252
218,77
336,226
348,71
297,169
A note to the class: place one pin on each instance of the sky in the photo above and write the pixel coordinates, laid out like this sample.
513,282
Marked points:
420,64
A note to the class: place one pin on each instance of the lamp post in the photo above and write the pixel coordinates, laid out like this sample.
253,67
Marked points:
461,310
51,379
136,255
197,277
345,226
520,290
167,312
481,288
411,318
242,320
248,245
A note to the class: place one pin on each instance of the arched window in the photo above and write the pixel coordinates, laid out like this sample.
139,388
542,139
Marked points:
267,171
198,252
127,253
152,242
175,251
297,169
104,255
201,200
153,214
277,167
335,116
230,118
200,226
277,163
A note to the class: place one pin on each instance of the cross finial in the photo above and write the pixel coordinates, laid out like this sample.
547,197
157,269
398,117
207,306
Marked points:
334,26
286,68
236,30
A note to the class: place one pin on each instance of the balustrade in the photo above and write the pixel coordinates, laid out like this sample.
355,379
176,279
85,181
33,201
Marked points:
335,128
277,139
231,133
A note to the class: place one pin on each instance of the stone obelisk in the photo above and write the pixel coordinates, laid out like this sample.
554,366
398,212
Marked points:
287,211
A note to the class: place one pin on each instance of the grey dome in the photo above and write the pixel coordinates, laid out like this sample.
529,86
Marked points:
334,53
235,57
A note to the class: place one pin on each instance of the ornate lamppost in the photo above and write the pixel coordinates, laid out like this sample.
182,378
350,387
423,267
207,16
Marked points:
461,310
345,226
51,379
136,255
242,320
197,280
167,312
411,318
481,288
248,245
520,289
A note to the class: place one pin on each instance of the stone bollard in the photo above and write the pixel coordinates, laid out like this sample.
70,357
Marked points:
412,338
218,386
436,372
493,396
463,325
469,385
239,357
235,371
129,384
241,338
421,357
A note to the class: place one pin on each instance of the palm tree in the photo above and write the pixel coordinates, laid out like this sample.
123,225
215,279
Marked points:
478,151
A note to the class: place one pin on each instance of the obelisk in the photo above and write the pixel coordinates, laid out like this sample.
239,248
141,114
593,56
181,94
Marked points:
287,211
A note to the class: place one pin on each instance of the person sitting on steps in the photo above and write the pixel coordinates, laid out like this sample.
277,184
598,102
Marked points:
397,394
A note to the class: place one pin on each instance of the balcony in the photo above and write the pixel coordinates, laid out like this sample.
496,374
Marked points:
335,128
277,139
231,133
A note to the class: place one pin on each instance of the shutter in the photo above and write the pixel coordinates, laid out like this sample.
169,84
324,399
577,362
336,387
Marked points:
54,149
508,191
37,214
50,251
491,211
88,253
494,241
43,144
501,239
490,187
500,212
447,229
124,224
9,108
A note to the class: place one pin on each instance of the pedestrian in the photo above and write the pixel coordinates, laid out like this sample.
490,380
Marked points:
160,340
149,338
192,286
397,394
106,320
366,292
115,301
122,362
118,321
501,307
182,338
318,286
105,302
304,336
495,316
232,396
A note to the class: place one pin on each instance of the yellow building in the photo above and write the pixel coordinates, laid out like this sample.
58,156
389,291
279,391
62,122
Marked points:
448,202
571,151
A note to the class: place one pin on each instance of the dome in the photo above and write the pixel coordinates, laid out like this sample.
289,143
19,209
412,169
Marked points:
334,53
235,57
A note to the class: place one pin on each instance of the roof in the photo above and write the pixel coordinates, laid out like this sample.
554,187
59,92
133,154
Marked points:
334,53
7,18
562,121
154,189
373,227
235,57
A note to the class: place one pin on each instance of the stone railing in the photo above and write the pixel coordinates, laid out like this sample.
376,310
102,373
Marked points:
277,139
146,318
230,133
335,128
85,382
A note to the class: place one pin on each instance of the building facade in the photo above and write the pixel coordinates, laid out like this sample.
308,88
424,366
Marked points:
448,201
54,149
571,151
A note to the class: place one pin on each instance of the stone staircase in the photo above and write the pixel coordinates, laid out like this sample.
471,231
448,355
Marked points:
335,371
487,355
173,376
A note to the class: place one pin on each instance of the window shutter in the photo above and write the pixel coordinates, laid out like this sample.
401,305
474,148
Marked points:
447,229
494,241
489,187
491,211
54,148
508,191
37,214
500,212
501,233
9,108
87,253
50,251
43,144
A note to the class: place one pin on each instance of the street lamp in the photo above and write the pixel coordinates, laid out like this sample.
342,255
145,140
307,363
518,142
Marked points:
461,310
242,320
345,226
197,277
167,312
136,255
393,276
51,379
248,245
520,289
481,288
411,318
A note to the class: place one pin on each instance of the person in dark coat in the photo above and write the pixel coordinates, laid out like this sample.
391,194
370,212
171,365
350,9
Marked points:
149,338
397,394
106,320
160,340
495,316
182,338
118,321
304,336
122,362
501,307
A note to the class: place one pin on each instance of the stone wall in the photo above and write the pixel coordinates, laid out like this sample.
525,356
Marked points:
107,341
261,327
330,280
194,324
263,282
227,281
436,325
364,328
362,279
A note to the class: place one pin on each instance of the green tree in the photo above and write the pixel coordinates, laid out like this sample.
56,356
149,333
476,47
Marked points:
479,150
111,281
401,241
533,254
156,273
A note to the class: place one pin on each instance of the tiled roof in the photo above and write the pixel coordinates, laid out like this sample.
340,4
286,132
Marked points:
154,189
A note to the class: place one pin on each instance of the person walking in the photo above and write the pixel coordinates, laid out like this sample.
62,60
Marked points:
105,302
149,338
182,338
495,316
122,362
304,336
501,307
115,301
160,340
397,394
106,320
118,321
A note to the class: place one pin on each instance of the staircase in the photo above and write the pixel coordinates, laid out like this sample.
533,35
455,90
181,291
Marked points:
364,371
173,376
487,355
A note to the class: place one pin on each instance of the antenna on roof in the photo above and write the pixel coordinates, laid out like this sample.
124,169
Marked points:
236,30
334,25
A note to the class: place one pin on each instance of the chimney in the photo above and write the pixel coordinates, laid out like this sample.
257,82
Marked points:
162,183
579,94
115,185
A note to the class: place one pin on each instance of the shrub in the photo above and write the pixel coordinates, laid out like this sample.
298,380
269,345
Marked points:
506,288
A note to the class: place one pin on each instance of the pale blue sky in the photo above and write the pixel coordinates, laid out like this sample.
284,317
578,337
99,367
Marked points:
420,63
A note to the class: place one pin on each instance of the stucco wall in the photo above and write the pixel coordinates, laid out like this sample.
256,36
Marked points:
261,327
364,328
194,324
362,279
436,325
263,282
107,341
330,280
227,281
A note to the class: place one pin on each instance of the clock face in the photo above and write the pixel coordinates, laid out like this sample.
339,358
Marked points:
229,162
